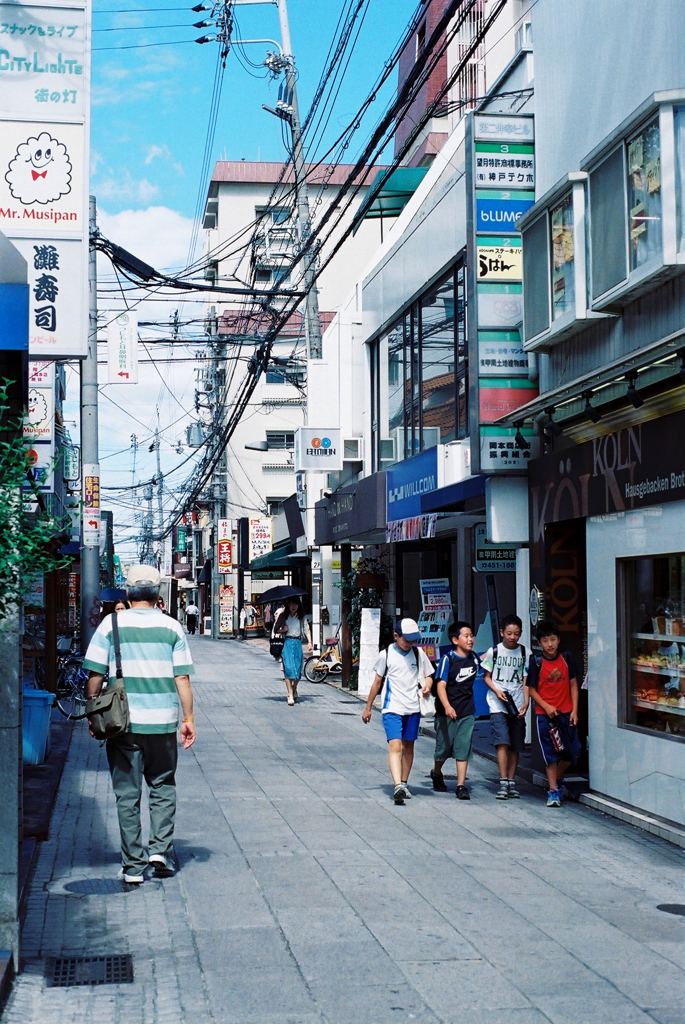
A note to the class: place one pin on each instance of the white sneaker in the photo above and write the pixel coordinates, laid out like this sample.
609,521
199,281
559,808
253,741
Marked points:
407,794
128,876
161,865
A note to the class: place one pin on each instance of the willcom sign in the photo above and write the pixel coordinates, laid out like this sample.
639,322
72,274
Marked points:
318,449
407,481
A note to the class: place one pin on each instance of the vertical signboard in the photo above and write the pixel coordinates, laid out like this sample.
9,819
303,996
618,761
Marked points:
44,114
122,348
226,604
260,537
91,505
500,188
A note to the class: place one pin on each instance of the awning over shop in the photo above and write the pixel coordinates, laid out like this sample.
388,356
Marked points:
205,574
389,193
280,557
453,494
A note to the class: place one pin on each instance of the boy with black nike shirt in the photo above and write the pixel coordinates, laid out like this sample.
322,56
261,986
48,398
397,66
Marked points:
455,710
553,687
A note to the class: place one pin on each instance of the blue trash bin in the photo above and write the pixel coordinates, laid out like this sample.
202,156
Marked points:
36,724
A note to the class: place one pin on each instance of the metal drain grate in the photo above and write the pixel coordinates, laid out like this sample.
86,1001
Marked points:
342,712
70,971
672,908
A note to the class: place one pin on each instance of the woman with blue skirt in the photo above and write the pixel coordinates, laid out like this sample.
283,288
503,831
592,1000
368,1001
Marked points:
293,624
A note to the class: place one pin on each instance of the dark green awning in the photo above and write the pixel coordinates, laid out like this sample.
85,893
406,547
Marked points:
277,558
389,193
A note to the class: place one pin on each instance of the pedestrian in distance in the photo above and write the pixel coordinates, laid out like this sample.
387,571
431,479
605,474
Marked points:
504,671
293,625
113,606
402,672
553,686
455,710
157,667
192,612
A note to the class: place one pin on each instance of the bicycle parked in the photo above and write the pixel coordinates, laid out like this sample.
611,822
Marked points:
318,667
71,682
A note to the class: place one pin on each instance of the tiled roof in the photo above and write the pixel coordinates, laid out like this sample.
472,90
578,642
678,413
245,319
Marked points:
268,172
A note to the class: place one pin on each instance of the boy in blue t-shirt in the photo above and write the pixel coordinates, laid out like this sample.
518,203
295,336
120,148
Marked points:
455,710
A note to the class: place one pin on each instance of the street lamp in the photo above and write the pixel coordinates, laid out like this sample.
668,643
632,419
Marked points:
257,446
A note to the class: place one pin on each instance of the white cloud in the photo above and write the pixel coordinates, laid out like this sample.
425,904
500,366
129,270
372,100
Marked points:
95,160
123,185
158,235
157,151
163,152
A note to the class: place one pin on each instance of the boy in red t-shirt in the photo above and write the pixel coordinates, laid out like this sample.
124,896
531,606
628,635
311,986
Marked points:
553,686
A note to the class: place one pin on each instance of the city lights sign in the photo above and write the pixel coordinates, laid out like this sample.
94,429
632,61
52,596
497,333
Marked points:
44,115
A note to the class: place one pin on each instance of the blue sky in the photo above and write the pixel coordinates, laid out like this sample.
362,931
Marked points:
149,116
151,104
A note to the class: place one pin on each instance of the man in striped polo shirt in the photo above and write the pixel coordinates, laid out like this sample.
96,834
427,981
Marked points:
156,666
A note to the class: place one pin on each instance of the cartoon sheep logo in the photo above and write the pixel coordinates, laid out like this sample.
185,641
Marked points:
40,171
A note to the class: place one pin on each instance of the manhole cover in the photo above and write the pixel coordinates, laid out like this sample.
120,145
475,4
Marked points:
70,971
342,712
103,886
672,908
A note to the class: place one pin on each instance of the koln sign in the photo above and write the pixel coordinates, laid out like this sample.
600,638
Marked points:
631,468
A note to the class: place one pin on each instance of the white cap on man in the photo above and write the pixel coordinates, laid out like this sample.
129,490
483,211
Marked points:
143,576
408,629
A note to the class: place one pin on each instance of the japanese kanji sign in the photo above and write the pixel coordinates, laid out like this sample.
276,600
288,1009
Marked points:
43,60
122,348
260,537
57,295
91,505
44,115
499,259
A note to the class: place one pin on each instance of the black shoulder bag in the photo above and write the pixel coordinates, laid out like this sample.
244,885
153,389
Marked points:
108,713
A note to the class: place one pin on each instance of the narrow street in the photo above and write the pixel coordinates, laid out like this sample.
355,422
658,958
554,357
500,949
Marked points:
305,896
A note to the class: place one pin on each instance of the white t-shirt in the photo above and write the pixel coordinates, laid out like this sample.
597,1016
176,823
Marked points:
509,672
191,609
400,693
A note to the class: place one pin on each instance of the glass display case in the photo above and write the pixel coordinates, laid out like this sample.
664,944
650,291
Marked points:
654,680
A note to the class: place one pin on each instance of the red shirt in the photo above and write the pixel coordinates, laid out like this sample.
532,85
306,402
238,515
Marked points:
553,684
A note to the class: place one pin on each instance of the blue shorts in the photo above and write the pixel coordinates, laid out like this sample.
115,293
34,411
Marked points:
569,738
401,727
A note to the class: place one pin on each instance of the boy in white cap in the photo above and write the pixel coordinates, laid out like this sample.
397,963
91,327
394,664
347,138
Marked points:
402,672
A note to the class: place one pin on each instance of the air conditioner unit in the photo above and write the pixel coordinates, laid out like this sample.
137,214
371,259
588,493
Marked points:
387,452
352,449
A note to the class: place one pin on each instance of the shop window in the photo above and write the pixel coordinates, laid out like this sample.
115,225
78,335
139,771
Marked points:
536,317
426,375
679,124
563,257
644,196
654,677
608,231
438,395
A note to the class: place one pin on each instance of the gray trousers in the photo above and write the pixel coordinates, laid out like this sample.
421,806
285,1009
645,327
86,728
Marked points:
132,758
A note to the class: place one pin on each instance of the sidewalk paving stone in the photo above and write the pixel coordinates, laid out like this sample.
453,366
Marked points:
305,896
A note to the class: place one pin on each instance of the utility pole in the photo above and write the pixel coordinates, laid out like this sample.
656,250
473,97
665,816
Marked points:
90,539
312,320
